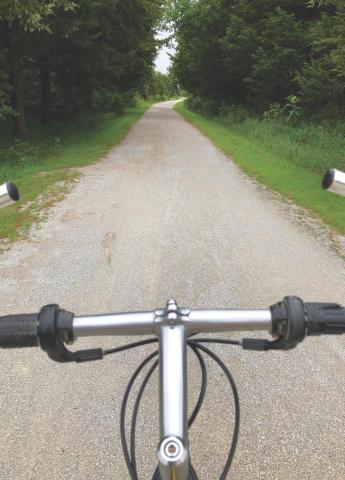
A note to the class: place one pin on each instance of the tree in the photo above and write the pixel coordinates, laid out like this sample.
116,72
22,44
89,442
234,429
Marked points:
162,86
198,63
18,20
282,45
259,53
66,56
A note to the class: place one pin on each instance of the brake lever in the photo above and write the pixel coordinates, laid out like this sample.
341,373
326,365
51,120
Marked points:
288,325
55,328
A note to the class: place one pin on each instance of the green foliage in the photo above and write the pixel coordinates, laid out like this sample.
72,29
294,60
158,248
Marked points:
275,112
33,15
290,112
61,57
161,86
205,106
321,81
5,107
278,56
292,108
309,145
258,54
198,62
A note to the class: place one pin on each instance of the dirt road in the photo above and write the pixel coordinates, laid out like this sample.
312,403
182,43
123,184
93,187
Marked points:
166,214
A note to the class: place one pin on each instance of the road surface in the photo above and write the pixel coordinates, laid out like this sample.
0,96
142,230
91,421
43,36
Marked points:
165,214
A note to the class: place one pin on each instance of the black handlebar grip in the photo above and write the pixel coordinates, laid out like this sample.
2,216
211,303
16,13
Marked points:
18,331
325,318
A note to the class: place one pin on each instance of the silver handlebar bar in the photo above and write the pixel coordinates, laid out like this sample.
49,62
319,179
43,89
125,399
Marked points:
195,321
173,325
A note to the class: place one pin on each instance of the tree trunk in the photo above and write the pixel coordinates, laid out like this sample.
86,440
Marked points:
45,93
21,127
17,83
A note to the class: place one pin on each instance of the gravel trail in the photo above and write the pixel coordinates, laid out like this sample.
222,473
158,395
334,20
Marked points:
165,214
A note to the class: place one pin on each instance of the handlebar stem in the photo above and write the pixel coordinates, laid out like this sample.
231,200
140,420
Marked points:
288,321
173,452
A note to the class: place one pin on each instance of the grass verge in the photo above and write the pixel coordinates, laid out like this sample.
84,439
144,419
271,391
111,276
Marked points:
272,167
42,167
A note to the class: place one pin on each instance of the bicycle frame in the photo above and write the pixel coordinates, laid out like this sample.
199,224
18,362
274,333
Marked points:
173,326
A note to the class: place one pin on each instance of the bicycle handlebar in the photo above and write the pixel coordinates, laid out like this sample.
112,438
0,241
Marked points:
289,322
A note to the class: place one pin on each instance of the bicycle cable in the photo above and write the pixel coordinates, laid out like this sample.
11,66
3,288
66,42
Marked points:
130,455
235,435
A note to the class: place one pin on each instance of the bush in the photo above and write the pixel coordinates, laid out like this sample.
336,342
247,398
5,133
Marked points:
205,106
108,101
234,113
275,112
290,112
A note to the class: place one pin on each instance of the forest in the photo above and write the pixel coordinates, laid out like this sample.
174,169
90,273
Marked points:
61,57
274,57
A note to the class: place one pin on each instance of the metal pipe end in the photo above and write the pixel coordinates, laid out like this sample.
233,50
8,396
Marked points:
334,181
328,179
8,194
13,191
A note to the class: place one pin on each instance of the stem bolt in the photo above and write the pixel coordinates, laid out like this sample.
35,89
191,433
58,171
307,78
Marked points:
172,449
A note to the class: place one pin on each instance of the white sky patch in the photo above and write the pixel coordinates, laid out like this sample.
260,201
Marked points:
162,61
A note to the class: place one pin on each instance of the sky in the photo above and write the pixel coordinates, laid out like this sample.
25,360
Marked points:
162,62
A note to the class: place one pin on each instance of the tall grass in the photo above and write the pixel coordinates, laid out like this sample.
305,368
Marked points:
288,159
311,146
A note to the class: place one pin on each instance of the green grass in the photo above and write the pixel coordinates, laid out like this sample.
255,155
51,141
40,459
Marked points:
43,167
271,154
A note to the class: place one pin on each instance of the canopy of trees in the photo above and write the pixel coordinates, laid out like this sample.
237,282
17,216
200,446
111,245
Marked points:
259,53
58,57
161,86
